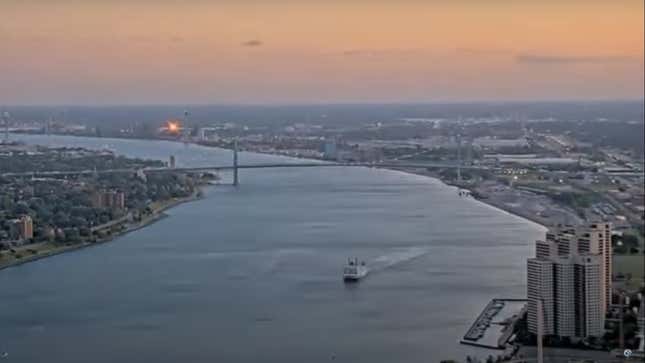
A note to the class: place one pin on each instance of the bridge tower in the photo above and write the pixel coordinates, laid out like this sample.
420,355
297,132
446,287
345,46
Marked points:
5,117
236,180
459,158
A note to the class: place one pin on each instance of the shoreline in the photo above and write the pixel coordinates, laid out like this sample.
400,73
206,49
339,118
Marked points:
157,215
488,202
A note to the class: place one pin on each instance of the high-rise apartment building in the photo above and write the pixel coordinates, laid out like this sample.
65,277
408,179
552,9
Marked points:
588,309
540,287
568,276
569,288
593,239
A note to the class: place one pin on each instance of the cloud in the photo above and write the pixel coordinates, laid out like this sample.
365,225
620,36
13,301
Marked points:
252,43
557,59
484,51
139,38
379,52
354,52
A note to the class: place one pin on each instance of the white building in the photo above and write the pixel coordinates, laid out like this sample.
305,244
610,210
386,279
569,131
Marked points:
540,287
588,308
568,276
594,239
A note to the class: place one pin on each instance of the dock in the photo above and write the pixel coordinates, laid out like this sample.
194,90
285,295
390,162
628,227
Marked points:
494,326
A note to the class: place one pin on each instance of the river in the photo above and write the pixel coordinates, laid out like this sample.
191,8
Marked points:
253,274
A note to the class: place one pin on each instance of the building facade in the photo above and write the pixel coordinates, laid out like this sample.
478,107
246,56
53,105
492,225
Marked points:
540,287
21,229
26,227
108,199
568,276
588,308
593,239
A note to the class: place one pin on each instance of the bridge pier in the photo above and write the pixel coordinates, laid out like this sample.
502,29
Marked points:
236,179
458,158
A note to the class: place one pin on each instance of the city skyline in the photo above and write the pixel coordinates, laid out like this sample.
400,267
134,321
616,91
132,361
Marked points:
284,52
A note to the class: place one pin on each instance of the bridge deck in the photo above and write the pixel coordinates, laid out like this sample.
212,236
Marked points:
246,166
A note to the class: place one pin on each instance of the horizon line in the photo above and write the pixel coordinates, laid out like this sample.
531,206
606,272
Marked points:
348,103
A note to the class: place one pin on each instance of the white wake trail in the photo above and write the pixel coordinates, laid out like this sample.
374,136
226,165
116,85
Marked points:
397,257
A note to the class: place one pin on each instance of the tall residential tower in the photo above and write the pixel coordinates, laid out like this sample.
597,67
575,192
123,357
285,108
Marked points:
569,277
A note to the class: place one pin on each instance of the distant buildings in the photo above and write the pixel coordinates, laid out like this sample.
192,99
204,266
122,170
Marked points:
21,229
26,227
571,275
494,143
330,150
208,134
108,199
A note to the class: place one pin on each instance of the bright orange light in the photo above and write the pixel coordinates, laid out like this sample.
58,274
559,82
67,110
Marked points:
173,126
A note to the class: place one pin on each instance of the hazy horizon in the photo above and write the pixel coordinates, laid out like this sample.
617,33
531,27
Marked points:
331,104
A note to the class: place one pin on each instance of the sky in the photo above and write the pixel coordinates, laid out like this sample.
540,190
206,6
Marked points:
99,52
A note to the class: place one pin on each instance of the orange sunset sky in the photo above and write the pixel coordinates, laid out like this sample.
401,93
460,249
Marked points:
327,51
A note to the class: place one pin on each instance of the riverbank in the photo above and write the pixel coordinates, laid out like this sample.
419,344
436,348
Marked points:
473,191
524,205
519,202
33,252
505,199
276,243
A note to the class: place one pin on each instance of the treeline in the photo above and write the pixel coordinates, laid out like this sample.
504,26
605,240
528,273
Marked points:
65,209
69,160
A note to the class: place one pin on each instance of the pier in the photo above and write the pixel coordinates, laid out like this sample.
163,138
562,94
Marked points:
494,326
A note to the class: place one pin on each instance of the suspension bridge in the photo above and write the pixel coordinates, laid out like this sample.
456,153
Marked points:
236,167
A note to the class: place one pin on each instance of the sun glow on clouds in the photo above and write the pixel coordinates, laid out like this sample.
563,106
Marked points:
66,51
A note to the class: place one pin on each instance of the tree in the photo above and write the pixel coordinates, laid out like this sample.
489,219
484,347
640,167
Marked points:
104,218
630,240
61,219
60,237
21,208
72,235
78,221
84,232
7,202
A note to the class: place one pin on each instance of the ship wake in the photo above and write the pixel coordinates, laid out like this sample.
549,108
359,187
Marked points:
397,257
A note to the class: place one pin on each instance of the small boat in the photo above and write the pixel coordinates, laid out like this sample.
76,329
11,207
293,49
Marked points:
354,271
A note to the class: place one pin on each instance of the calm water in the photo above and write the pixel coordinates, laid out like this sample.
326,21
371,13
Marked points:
253,274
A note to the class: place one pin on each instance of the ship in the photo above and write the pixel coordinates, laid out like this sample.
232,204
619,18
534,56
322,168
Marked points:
354,271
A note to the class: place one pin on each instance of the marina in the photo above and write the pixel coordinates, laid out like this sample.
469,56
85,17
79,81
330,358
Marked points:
494,326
